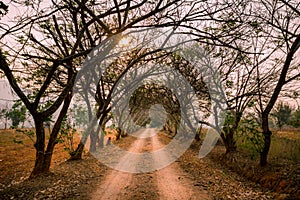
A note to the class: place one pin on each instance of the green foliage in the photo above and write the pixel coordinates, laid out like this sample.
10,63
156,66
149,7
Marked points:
27,132
45,106
250,137
17,141
81,117
17,114
3,113
282,113
66,135
229,122
229,83
295,119
285,148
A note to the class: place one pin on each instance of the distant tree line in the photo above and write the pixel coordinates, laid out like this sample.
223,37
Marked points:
285,115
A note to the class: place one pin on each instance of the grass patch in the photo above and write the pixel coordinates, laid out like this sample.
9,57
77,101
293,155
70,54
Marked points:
285,146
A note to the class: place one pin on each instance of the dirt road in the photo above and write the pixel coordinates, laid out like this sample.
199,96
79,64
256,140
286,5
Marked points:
167,183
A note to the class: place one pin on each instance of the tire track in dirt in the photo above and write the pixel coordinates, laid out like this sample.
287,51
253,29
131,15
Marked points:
167,183
122,185
172,182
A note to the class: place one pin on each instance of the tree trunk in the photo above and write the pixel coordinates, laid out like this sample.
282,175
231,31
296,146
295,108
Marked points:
265,151
101,139
267,140
55,131
93,141
230,144
77,154
227,136
281,82
197,137
118,136
102,134
39,166
229,141
43,158
123,134
198,134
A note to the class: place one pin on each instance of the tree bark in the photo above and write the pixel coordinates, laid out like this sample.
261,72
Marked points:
265,151
265,114
39,166
93,141
55,131
229,142
118,136
267,140
199,133
43,158
228,136
77,154
101,138
123,134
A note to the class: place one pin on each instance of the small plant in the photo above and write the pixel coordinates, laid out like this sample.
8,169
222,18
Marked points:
250,137
4,116
295,119
66,136
282,112
17,141
17,114
29,133
80,116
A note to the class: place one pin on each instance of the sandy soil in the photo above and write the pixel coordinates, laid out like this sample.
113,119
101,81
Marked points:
167,183
187,178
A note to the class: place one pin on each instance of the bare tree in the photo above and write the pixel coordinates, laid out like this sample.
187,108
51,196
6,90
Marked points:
50,43
282,17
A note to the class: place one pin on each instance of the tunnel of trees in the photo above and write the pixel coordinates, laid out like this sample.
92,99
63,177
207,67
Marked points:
43,50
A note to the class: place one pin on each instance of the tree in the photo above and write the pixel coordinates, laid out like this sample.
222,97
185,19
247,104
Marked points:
48,71
147,96
97,91
80,116
4,116
295,118
271,28
229,37
282,112
53,41
3,11
17,114
281,17
232,31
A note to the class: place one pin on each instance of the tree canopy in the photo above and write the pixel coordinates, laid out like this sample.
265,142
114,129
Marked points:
253,45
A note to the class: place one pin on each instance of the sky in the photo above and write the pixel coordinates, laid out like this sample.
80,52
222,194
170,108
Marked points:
6,99
6,93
